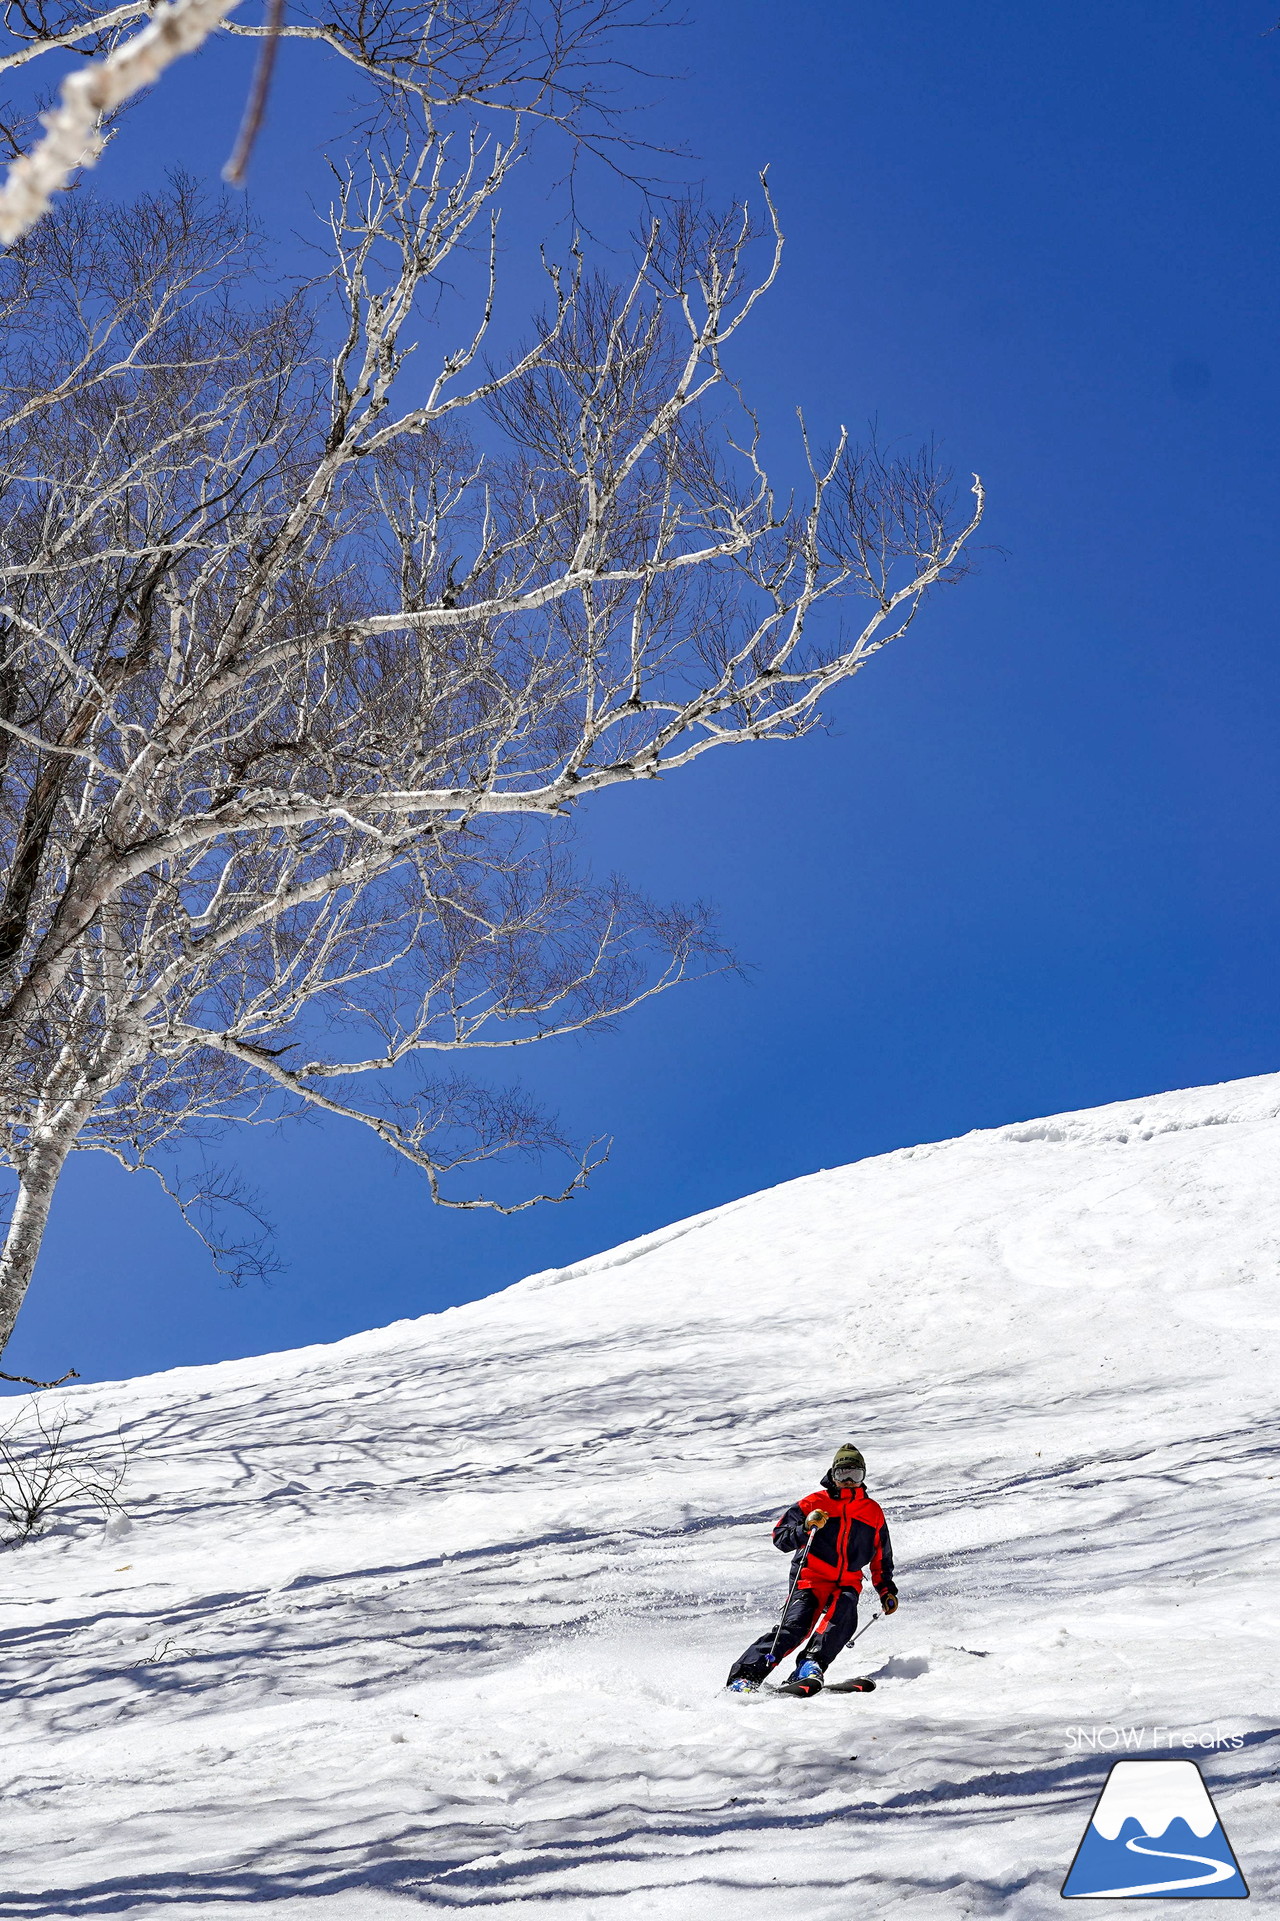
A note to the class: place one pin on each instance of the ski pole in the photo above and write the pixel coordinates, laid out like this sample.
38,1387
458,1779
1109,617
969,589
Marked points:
877,1616
791,1595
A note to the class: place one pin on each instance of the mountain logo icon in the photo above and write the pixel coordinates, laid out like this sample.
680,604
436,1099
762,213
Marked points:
1155,1831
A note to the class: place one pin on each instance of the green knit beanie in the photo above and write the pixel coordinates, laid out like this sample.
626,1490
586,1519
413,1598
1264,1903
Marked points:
848,1456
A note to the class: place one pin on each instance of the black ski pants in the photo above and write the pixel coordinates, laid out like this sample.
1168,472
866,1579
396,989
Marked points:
804,1608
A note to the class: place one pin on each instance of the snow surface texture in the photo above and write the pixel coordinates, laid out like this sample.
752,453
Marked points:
439,1617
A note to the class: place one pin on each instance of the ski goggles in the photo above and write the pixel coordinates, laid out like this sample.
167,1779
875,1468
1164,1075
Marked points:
854,1475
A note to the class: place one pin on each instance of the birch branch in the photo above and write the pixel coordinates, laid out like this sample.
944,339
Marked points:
73,131
102,23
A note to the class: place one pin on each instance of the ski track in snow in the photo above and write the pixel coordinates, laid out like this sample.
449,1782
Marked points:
438,1617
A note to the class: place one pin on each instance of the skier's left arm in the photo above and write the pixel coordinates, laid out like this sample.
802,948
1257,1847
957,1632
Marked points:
882,1570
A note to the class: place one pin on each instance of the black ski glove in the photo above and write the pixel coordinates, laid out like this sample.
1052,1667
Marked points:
889,1602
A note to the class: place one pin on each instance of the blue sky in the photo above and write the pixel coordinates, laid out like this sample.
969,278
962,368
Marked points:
1032,865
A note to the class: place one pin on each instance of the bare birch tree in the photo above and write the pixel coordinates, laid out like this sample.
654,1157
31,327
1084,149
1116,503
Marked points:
307,657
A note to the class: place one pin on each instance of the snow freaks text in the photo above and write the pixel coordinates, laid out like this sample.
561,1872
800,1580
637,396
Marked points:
1106,1738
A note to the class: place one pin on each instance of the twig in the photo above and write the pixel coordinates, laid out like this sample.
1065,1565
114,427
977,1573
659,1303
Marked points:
162,1650
72,1374
256,105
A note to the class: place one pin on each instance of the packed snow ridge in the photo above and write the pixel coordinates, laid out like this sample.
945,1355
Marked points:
438,1618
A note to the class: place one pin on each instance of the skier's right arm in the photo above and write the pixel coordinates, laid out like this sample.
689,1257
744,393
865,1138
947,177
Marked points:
789,1531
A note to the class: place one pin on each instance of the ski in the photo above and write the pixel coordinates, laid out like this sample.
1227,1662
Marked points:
862,1685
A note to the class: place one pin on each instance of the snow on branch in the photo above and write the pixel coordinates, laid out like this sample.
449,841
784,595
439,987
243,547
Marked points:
73,131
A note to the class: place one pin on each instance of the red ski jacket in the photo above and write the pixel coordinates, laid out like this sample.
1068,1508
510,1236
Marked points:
856,1537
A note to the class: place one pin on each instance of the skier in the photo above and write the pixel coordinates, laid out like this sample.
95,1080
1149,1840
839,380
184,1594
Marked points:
833,1535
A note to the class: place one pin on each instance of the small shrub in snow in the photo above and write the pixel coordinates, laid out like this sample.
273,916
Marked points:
45,1469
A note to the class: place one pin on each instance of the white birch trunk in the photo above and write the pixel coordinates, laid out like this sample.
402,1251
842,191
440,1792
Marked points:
37,1179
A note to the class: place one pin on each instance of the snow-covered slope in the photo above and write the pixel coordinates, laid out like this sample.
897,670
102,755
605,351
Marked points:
439,1617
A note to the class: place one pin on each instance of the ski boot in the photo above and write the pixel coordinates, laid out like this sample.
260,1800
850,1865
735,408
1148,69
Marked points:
743,1685
807,1679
